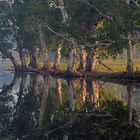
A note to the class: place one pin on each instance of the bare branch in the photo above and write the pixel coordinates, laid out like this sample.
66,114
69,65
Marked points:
99,11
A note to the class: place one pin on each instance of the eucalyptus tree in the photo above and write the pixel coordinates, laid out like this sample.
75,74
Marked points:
105,25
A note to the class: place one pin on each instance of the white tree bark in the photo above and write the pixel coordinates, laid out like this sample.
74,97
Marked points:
130,55
71,62
63,11
57,57
44,51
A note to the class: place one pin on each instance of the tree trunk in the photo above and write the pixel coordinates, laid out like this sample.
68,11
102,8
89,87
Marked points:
89,62
44,51
92,62
63,11
129,54
59,89
83,60
43,102
22,58
13,60
127,2
57,58
34,62
95,62
71,62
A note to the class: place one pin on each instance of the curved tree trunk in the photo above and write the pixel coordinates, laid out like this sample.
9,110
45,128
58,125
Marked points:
57,57
71,62
83,60
129,55
13,60
44,51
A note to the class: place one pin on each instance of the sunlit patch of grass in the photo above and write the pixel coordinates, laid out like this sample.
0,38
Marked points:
118,65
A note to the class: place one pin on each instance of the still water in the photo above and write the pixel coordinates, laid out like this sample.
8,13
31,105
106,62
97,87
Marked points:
33,107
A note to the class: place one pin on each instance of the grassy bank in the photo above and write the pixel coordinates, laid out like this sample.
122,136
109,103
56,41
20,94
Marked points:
115,65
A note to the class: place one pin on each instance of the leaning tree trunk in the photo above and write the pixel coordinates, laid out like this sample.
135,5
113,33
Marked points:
71,62
63,11
12,59
83,60
44,51
129,54
57,58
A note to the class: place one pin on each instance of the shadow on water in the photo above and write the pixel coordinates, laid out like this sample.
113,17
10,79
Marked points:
44,108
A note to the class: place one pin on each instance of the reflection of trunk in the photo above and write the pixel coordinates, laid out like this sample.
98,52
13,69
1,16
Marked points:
129,55
44,51
43,102
13,60
130,91
63,10
95,92
8,88
84,90
22,58
71,62
34,62
83,60
59,89
21,90
57,58
72,93
35,84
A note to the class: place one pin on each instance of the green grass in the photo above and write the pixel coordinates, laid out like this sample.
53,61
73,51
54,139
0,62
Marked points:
118,65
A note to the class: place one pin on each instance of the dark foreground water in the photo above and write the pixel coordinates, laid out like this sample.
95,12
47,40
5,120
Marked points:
33,107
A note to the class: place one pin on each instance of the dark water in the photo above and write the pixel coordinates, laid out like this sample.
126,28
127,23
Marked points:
33,107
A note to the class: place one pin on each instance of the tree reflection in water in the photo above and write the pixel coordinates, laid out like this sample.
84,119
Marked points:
68,110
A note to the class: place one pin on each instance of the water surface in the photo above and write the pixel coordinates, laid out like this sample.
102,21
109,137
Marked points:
33,107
